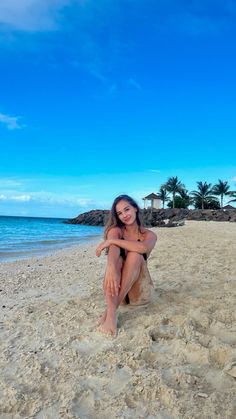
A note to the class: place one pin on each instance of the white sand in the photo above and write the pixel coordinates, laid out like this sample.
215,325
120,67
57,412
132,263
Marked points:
175,358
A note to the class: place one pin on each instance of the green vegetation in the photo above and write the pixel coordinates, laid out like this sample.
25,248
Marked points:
163,196
174,186
204,197
221,188
209,203
232,194
204,194
183,200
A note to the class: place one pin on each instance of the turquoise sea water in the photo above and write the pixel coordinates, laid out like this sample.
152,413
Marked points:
24,237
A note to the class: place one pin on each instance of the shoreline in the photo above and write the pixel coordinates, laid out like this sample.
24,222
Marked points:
44,252
171,358
25,237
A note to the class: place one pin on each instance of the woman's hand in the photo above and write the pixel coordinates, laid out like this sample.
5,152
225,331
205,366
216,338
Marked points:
102,246
111,283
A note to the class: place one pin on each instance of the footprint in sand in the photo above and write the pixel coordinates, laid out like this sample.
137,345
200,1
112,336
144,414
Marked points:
90,345
98,389
164,331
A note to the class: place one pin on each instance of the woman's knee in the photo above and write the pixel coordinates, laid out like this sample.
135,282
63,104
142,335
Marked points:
134,257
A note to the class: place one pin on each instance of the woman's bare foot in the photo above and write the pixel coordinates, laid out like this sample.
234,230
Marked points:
109,326
102,318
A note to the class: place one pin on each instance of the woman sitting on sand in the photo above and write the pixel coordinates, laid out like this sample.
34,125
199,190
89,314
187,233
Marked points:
128,245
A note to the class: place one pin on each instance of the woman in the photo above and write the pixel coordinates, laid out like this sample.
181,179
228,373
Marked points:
128,246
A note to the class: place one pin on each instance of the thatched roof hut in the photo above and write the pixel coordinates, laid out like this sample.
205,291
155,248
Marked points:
155,201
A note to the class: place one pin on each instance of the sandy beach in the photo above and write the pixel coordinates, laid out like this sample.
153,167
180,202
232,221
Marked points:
175,358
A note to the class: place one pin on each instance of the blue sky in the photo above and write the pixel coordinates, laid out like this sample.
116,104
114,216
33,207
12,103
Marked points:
109,97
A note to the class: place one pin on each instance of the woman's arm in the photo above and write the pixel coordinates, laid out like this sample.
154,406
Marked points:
114,251
111,281
144,246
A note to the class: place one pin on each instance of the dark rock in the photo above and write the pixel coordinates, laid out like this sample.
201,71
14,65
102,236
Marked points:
232,218
212,215
170,217
92,218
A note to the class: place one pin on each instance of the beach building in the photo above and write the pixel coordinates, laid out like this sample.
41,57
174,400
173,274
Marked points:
228,207
153,201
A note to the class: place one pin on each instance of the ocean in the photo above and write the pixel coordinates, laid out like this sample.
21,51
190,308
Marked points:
25,237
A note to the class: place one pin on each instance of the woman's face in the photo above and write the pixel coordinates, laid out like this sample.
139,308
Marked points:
126,212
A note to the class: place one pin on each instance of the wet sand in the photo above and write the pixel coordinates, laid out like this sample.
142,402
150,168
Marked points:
175,358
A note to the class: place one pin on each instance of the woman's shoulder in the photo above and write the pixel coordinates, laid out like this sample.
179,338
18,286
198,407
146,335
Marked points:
114,232
147,233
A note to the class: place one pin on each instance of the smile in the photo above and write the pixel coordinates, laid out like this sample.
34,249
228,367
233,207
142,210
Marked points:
127,219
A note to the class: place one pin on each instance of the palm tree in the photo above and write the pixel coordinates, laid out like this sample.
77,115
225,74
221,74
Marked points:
187,200
182,200
233,195
221,188
204,193
163,195
174,186
213,204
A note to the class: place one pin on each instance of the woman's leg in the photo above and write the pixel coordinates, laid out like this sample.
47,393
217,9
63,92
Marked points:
130,273
111,301
141,292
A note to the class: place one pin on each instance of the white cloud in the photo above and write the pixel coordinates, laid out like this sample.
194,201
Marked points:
9,183
11,122
233,179
31,15
84,202
47,198
17,198
52,198
193,17
154,170
21,198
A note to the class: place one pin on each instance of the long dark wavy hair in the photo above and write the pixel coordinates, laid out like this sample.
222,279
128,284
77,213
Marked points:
113,219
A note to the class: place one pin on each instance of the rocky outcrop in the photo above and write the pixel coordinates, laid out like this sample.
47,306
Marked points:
212,215
164,217
92,218
170,217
